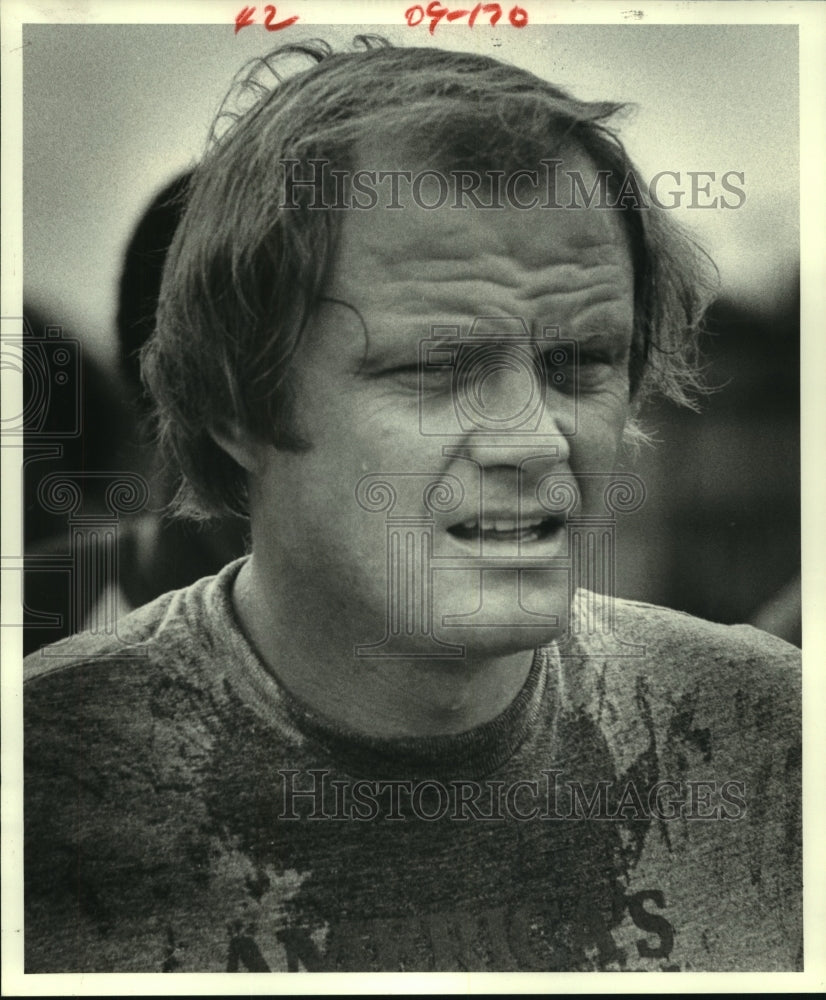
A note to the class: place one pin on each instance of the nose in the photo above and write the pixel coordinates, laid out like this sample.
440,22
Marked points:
510,398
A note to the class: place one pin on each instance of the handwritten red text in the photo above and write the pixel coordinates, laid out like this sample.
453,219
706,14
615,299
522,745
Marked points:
435,11
244,18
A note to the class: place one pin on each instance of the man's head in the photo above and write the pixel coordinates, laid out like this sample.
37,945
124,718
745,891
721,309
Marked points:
247,276
461,362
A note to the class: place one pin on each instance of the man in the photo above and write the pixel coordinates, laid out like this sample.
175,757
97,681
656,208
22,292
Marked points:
396,333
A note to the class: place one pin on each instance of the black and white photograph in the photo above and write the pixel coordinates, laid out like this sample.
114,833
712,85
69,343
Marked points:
412,486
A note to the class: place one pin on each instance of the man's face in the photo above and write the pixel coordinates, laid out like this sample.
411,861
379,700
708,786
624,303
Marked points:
435,363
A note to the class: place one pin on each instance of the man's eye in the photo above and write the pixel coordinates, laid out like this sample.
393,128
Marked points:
566,371
413,376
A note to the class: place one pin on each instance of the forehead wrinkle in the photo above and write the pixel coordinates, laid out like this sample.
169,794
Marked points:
605,316
507,273
406,279
566,299
528,262
473,296
494,263
527,284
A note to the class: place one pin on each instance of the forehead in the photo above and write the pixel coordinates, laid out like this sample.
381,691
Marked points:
407,269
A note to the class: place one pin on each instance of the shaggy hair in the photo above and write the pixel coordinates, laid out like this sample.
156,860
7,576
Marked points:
244,275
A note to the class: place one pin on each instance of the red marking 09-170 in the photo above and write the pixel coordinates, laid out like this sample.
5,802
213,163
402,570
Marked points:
517,16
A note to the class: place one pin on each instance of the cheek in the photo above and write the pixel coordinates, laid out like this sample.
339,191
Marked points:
388,435
600,424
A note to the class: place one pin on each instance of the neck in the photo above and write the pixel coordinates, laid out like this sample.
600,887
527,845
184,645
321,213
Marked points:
313,657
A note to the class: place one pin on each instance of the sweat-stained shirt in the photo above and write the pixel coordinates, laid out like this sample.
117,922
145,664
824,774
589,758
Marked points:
635,808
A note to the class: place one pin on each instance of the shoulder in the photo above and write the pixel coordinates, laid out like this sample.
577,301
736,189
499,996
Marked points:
735,685
92,698
133,637
163,631
679,645
119,738
674,644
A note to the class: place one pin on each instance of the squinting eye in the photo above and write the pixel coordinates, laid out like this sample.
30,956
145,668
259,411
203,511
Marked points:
559,367
568,371
413,377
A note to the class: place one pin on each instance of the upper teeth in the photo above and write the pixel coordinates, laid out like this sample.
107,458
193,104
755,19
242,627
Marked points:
499,524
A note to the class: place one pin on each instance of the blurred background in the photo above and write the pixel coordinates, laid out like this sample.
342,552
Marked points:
113,114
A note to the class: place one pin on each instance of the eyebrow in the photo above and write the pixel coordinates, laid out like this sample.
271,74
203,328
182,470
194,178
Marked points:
409,335
612,335
407,350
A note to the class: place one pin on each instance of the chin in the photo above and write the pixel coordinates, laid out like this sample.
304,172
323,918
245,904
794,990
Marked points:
509,612
471,616
496,642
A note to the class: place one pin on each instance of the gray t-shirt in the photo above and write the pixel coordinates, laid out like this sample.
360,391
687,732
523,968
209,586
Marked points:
637,807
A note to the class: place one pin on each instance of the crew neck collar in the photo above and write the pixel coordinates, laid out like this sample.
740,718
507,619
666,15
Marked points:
471,754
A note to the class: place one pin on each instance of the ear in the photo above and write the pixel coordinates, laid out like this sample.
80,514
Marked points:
239,445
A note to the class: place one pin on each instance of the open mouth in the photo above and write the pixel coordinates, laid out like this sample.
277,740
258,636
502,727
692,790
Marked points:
506,529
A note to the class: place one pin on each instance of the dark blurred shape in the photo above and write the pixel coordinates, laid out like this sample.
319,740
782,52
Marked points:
720,533
72,404
153,553
75,422
159,553
140,280
781,614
